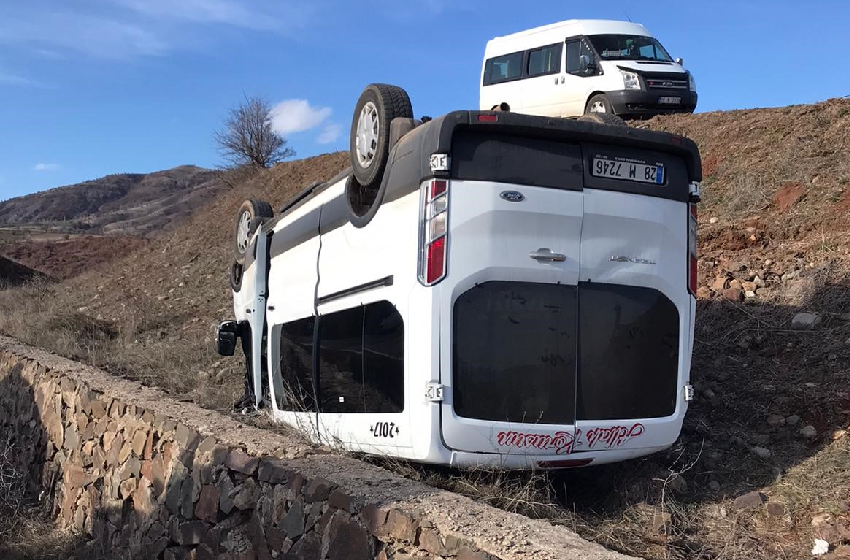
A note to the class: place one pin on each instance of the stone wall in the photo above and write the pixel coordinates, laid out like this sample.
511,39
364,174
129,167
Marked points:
146,476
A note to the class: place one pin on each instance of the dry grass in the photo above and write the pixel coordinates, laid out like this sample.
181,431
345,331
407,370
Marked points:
139,345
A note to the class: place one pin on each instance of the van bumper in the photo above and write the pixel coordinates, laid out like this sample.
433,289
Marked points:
645,103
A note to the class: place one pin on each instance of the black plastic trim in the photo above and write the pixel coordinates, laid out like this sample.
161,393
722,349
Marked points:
383,282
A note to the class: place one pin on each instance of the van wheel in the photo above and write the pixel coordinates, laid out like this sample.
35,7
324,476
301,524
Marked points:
369,149
251,216
599,104
604,118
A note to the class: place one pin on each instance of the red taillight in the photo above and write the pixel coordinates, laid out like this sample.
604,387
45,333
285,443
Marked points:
692,249
488,118
433,231
436,266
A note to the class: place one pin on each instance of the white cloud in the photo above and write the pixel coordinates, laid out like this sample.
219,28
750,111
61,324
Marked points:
230,12
46,167
297,115
13,80
330,134
123,29
95,36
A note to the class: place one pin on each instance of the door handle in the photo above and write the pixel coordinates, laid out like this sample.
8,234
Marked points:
544,254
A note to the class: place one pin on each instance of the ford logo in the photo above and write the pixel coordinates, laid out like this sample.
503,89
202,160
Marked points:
512,196
668,84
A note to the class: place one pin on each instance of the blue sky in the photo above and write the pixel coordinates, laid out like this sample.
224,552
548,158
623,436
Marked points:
92,87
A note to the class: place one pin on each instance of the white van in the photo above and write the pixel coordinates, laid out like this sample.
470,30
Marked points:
577,67
514,291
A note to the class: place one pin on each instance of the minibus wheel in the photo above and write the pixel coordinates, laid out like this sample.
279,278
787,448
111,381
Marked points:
598,104
603,118
369,148
251,215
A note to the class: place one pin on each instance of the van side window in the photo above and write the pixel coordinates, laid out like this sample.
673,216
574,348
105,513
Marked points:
296,364
575,49
545,60
503,68
361,360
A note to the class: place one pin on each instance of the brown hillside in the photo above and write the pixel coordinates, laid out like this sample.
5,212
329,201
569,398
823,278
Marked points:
67,258
774,242
128,203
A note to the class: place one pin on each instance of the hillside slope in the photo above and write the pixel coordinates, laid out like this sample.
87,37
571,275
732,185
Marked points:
14,274
773,405
129,204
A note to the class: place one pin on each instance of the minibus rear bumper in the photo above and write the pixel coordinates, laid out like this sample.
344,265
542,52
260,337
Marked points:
646,103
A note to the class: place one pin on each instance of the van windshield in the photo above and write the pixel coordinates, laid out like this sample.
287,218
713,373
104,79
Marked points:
629,47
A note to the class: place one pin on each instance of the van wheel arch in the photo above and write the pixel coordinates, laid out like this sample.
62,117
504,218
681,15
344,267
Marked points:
602,98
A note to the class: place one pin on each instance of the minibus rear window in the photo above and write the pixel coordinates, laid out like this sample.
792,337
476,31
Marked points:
514,353
628,353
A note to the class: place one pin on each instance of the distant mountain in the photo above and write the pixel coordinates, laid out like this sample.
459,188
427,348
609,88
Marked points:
122,204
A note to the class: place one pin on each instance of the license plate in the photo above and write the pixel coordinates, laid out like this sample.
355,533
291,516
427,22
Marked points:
628,171
669,100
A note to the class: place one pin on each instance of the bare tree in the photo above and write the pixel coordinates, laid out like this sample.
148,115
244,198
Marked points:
248,138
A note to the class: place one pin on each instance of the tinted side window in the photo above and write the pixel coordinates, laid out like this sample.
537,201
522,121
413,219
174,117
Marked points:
341,361
383,356
546,60
361,360
503,68
296,364
514,353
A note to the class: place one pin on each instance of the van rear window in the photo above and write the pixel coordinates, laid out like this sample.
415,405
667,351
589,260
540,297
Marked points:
628,353
503,158
514,353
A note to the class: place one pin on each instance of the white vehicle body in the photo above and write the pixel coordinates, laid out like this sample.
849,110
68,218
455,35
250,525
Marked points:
540,71
534,314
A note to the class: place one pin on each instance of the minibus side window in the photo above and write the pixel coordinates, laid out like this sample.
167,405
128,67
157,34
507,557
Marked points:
545,60
361,360
503,68
296,364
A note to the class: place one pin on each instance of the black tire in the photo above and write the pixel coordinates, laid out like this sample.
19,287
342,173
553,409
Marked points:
599,100
251,215
386,103
363,202
604,118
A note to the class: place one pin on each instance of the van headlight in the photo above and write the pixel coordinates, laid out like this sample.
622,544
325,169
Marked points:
691,82
630,80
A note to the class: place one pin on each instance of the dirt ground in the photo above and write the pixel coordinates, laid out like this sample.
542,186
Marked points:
760,469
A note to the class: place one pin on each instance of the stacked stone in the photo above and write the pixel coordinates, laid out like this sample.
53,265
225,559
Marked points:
144,486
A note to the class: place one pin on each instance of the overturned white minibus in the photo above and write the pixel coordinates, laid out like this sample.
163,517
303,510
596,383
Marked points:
483,288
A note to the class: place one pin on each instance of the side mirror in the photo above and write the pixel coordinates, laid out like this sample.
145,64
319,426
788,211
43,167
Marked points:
680,61
226,338
587,65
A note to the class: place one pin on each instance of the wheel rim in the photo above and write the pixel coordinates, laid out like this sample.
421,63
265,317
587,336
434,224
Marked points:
367,134
597,107
242,231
